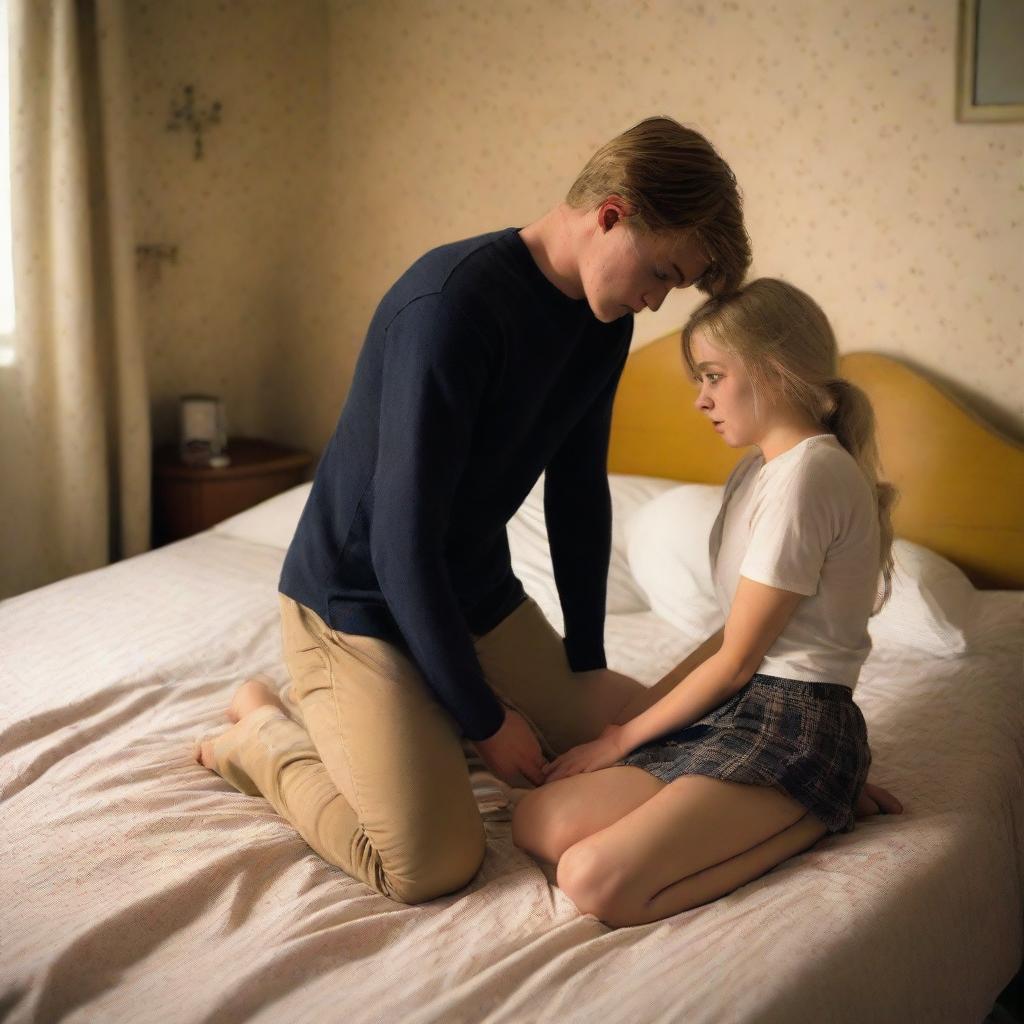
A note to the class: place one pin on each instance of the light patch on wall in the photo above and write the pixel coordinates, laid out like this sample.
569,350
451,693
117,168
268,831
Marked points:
6,264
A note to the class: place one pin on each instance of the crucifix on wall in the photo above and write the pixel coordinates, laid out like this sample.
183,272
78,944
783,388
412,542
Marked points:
188,116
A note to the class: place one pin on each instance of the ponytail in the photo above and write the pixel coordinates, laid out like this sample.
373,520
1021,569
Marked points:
852,420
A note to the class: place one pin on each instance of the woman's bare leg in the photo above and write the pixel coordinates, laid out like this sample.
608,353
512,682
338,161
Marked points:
694,841
549,819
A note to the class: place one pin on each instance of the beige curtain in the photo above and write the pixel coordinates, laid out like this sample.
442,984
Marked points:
74,414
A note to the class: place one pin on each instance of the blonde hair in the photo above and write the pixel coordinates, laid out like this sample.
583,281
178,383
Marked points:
675,180
788,349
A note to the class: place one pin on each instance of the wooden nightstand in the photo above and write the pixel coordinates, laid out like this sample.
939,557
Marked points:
187,499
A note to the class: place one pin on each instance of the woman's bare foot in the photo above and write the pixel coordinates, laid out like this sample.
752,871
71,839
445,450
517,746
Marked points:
876,800
253,693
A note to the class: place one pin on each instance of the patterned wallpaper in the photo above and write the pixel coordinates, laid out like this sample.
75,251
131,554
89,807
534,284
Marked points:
355,135
241,313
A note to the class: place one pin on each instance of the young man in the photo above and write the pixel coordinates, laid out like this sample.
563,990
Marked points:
404,630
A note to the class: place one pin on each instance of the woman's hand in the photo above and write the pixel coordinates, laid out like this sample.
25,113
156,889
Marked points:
587,757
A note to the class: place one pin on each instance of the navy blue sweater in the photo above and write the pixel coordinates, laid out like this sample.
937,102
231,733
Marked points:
476,375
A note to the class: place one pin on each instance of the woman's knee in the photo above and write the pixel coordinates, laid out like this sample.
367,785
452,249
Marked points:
540,826
591,881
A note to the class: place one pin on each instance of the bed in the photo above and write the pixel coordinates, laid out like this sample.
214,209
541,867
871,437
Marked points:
138,886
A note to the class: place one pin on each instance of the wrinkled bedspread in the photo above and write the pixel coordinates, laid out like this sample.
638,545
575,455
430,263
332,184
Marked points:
138,886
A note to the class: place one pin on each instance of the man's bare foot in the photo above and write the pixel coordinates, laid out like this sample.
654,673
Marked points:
253,693
204,755
876,800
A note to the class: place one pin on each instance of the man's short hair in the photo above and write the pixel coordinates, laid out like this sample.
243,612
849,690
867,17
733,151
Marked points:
675,179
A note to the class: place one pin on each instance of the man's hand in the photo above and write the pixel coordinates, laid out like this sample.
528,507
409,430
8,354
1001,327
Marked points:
513,753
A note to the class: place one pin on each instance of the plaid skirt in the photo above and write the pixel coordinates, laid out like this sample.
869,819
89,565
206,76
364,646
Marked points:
807,739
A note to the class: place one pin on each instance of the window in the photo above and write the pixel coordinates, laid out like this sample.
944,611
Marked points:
6,267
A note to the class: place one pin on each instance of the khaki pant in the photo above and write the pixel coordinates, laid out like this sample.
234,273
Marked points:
371,769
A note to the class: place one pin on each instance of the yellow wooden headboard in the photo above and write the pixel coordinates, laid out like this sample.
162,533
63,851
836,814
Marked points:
961,481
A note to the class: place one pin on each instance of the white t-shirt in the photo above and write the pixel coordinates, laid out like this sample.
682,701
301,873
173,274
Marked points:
807,521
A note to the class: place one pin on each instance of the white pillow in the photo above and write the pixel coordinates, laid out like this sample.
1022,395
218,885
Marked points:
531,557
630,494
528,546
931,604
667,550
270,522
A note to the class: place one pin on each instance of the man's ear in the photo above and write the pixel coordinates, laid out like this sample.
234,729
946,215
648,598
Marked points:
613,210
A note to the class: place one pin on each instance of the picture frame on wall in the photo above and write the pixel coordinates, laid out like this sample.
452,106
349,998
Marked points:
990,71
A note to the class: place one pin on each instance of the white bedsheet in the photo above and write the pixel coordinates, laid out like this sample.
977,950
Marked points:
137,886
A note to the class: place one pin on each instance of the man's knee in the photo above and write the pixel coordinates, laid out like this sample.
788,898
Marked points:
448,867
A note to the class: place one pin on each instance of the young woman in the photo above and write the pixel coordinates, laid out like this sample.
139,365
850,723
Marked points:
756,748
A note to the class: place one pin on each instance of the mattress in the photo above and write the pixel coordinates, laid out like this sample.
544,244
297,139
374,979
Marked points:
139,886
